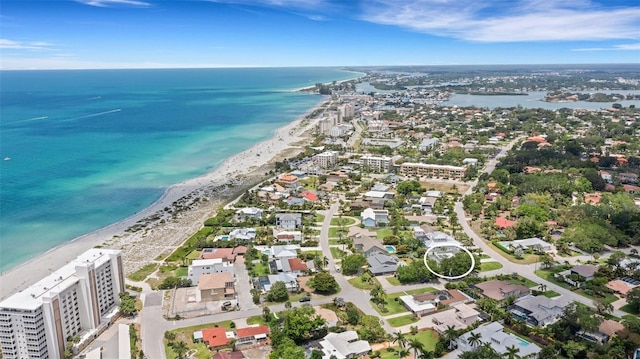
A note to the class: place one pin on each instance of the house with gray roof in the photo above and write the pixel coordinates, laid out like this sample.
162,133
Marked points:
243,234
286,251
493,333
578,275
539,310
381,264
428,143
289,220
344,345
368,246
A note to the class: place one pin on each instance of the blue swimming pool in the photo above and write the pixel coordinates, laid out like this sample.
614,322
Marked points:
390,249
266,251
224,238
522,341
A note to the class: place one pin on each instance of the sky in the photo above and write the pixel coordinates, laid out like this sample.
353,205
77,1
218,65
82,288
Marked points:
74,34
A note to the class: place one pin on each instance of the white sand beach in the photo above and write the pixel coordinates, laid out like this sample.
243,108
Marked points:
168,222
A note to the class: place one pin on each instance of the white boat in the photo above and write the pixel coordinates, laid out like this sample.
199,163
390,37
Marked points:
7,158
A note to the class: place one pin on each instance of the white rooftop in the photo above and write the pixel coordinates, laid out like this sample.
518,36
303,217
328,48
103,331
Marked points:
31,298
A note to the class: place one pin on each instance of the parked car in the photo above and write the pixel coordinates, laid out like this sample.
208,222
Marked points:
305,299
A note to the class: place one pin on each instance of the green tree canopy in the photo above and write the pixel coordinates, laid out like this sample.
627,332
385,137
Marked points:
278,292
352,263
324,283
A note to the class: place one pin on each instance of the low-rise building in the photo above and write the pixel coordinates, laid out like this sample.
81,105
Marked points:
493,333
243,214
344,345
425,303
539,310
381,264
432,170
519,246
367,245
242,234
226,254
199,267
501,290
606,330
376,163
215,287
328,159
373,218
578,275
289,221
460,316
215,338
251,336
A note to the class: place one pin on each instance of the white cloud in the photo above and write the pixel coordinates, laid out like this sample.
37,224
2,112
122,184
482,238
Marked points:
296,4
62,63
25,45
623,47
508,21
109,3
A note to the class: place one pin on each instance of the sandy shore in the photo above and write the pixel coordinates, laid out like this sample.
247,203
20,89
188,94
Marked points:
164,225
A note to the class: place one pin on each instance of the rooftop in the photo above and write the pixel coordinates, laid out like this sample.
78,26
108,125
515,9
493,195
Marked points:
214,280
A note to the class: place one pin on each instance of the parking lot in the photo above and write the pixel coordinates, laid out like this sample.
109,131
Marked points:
182,302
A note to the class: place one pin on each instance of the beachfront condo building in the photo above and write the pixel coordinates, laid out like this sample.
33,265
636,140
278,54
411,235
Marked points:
328,159
375,163
77,301
431,170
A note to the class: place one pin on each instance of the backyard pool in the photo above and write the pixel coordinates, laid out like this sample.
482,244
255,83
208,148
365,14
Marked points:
522,341
390,249
266,251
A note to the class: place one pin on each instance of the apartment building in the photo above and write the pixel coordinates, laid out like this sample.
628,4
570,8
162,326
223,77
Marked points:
199,267
327,159
78,300
376,163
431,170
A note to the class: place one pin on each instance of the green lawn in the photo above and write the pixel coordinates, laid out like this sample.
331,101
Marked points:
194,255
383,232
260,269
358,283
256,319
428,338
319,218
488,266
334,232
524,281
551,294
337,253
334,241
393,281
403,320
344,221
142,273
186,334
394,306
182,272
629,309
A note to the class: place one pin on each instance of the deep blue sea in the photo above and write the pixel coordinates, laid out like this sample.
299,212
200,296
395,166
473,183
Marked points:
86,148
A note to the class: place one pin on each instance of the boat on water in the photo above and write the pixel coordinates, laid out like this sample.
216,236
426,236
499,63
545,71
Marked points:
7,158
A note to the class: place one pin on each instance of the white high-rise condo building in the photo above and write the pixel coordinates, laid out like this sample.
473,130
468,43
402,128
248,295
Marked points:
77,300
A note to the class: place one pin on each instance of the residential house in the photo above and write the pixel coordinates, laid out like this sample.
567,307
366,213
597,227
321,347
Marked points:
373,218
606,330
535,244
288,180
381,264
631,189
578,275
501,290
622,287
289,221
243,214
379,194
628,177
428,143
460,316
242,234
199,267
539,310
215,338
427,204
251,336
425,303
439,238
265,282
287,251
470,161
367,245
293,265
215,287
493,333
226,254
286,236
344,345
503,223
606,176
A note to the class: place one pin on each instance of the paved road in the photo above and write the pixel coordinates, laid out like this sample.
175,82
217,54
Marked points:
510,267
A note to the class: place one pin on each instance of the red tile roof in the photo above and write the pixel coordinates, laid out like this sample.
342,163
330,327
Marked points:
297,264
503,222
309,196
252,331
215,337
224,253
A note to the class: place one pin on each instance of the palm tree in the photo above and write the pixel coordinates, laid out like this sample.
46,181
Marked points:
416,346
402,353
602,307
475,340
512,353
542,287
180,348
325,262
426,355
401,339
450,334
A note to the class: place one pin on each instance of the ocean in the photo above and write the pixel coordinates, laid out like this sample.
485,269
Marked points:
82,149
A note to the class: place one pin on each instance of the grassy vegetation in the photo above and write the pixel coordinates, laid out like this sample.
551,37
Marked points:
488,266
256,319
393,281
319,218
428,338
334,232
548,275
186,335
394,305
629,309
337,253
403,320
524,281
551,294
344,221
187,247
182,272
194,255
383,232
260,269
526,259
366,285
142,273
334,242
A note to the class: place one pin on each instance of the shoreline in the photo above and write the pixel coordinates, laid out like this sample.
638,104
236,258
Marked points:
181,210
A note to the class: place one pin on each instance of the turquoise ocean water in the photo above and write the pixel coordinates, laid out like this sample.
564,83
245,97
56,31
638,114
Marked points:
91,147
